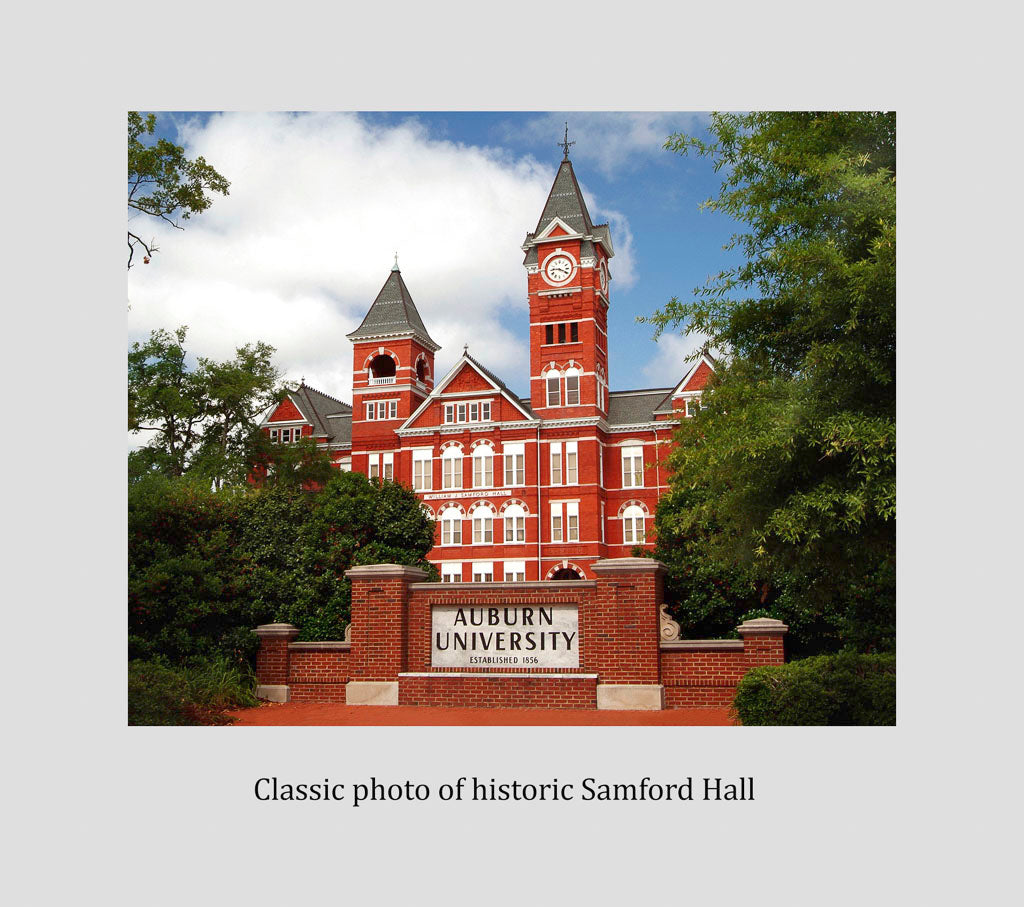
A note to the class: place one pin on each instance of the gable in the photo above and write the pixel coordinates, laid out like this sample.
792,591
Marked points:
286,412
467,379
698,379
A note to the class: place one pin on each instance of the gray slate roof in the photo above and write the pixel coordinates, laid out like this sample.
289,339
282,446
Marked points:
634,407
565,201
318,408
392,312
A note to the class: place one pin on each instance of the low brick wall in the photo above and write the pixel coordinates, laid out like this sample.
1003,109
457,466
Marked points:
318,671
499,691
624,657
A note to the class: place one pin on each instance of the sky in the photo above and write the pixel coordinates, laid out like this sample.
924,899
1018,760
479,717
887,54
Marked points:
320,203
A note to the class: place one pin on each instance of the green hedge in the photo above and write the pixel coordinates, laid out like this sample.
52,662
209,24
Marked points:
196,693
843,689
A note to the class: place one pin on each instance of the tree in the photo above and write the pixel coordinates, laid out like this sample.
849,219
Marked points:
163,183
788,472
204,418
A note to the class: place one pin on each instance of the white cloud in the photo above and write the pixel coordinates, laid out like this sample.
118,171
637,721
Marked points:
612,141
669,363
317,207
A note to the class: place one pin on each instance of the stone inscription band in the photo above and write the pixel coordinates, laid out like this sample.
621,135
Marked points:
464,636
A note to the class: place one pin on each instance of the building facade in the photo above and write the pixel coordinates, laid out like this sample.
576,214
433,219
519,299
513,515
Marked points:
521,488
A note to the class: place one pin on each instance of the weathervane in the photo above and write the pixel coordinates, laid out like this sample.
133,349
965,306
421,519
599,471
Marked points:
395,266
565,143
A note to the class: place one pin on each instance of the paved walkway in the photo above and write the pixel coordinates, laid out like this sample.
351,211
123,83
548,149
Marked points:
317,714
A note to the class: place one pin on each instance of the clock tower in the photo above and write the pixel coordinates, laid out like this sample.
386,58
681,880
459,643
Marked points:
567,279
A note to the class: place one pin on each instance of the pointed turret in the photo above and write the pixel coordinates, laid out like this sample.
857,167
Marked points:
393,314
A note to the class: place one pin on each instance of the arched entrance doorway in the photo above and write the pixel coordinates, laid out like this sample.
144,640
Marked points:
565,570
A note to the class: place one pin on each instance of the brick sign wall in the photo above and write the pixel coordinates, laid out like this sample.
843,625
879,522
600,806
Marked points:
570,644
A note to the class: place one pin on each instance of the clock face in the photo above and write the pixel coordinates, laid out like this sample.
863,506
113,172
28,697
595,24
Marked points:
559,269
604,278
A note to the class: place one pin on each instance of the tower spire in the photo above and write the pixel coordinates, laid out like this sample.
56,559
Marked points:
565,143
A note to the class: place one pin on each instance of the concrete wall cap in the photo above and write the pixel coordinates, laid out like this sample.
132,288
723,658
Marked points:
627,565
705,645
378,571
558,585
276,631
762,625
320,646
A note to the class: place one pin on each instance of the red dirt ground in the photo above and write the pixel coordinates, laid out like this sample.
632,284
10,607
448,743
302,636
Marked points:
317,714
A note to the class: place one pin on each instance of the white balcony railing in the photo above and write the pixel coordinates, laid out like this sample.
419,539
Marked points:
389,379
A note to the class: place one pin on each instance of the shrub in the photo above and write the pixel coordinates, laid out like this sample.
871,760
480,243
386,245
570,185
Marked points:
843,689
196,693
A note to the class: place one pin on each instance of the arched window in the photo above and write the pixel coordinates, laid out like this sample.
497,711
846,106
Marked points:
553,382
451,468
451,526
515,524
483,466
572,386
382,366
633,525
483,525
421,370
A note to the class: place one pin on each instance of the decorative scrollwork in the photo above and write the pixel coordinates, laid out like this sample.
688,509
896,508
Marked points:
670,629
348,632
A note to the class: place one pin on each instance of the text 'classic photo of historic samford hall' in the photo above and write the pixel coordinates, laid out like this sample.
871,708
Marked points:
522,488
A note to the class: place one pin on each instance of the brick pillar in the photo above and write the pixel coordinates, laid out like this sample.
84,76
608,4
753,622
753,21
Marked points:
624,633
762,641
380,605
272,661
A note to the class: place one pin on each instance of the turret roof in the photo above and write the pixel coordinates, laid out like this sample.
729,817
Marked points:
393,312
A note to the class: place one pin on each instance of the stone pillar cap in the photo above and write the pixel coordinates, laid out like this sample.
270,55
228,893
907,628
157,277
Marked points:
627,565
272,631
762,625
377,571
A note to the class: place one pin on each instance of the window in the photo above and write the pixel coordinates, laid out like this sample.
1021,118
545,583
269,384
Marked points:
483,467
422,469
388,466
373,466
561,333
451,526
574,332
515,524
600,464
554,392
602,522
515,464
515,571
556,522
381,409
571,457
451,573
572,387
549,333
483,526
483,572
633,525
556,464
632,467
471,412
572,522
692,406
451,468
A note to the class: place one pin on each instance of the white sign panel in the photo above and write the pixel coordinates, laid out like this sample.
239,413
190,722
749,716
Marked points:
495,636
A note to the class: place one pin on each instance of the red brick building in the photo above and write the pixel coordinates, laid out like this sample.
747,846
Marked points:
522,488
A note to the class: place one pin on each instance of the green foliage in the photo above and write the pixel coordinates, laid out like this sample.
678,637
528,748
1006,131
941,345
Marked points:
162,182
783,493
204,419
188,593
206,567
194,693
843,689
